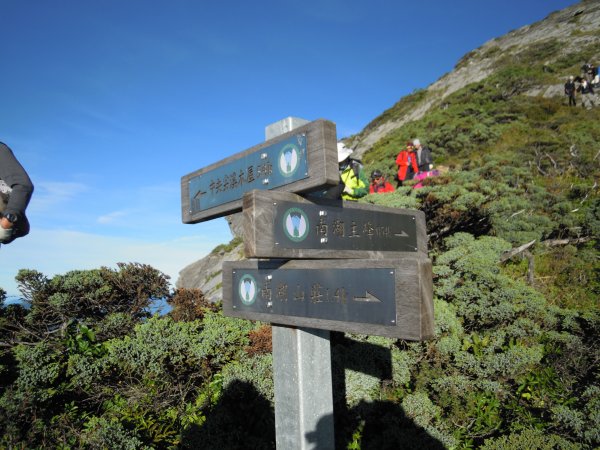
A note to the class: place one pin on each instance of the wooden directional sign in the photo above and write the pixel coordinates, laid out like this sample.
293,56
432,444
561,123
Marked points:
285,225
386,297
302,160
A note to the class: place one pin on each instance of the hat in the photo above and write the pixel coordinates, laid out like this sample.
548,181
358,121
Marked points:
343,152
416,142
376,174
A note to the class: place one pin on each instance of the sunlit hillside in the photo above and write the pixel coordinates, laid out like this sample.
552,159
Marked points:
513,222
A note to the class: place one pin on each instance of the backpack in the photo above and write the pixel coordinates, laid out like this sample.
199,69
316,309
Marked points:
357,165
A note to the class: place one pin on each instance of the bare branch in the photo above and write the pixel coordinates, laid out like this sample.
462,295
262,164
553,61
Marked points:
517,213
556,242
552,160
515,251
548,243
530,267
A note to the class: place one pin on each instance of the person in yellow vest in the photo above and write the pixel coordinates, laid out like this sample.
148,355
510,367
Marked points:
352,175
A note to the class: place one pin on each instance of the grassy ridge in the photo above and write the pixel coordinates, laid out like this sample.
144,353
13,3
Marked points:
515,360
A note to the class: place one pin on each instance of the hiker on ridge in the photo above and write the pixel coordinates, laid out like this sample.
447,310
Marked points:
407,163
570,91
353,182
588,97
424,158
352,175
589,72
379,184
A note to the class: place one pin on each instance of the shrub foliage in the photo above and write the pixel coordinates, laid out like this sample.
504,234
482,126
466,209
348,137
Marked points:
513,228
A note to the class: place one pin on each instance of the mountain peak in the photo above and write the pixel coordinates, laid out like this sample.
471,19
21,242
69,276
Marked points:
573,28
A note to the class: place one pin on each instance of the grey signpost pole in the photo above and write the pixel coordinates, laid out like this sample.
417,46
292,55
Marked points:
301,372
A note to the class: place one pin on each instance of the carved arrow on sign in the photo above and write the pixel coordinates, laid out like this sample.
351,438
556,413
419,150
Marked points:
368,298
199,194
401,234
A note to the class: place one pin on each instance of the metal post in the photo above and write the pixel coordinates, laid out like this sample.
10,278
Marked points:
303,392
301,372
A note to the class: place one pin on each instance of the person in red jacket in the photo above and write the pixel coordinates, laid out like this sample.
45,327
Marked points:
407,163
379,184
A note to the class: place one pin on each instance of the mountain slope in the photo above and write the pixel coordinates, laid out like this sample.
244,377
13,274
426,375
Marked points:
574,29
531,62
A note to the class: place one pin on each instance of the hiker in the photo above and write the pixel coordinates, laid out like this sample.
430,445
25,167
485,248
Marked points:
379,184
422,175
424,158
570,90
407,163
352,174
588,98
589,72
15,192
353,181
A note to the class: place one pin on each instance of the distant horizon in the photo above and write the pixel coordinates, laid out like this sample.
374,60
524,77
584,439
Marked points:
159,305
107,105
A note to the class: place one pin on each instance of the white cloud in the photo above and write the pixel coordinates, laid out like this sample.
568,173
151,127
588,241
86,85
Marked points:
49,195
57,252
92,122
111,217
79,206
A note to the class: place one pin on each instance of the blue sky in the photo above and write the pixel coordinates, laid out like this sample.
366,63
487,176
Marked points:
108,103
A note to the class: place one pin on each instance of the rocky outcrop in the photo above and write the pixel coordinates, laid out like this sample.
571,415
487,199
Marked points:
206,274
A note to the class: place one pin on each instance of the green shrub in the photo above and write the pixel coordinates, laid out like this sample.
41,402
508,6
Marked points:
102,433
530,439
256,370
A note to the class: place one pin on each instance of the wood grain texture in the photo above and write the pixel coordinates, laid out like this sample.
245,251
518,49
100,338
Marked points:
259,209
413,296
321,144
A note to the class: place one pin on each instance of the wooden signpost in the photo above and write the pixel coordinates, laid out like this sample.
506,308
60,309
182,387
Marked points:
387,292
315,265
286,225
301,160
384,297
